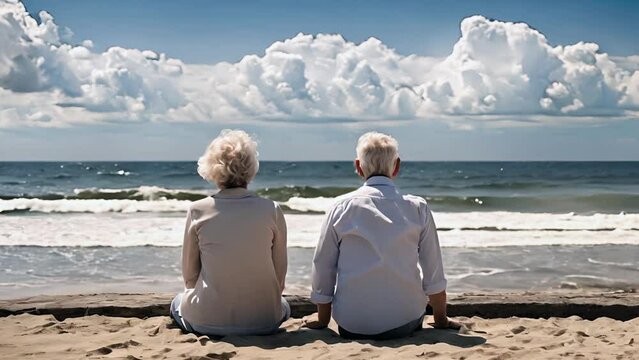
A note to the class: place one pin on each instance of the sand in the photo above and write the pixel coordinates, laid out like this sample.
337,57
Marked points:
588,304
497,326
101,337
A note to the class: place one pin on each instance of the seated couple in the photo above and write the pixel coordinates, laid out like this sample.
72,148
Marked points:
365,269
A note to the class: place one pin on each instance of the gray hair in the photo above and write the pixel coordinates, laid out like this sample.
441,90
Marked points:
230,160
377,154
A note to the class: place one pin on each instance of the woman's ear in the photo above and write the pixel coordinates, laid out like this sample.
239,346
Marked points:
358,168
396,170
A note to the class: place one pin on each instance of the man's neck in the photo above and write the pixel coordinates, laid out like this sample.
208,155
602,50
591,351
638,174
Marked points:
386,176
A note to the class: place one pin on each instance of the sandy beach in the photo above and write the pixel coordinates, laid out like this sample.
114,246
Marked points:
134,335
96,337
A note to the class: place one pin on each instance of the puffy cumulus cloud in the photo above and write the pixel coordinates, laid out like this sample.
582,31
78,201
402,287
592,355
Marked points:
496,71
319,77
499,70
502,68
45,81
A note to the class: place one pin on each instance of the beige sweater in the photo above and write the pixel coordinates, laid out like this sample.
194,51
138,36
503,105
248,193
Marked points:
234,262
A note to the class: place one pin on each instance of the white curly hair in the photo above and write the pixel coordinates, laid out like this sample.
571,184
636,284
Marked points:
230,160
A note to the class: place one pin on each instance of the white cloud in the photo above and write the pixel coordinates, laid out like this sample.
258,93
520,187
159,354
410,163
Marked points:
35,63
497,72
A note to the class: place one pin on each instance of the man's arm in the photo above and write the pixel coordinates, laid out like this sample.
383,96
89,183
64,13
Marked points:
438,303
324,274
433,280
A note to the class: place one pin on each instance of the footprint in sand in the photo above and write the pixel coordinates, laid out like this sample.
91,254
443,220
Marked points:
106,350
428,354
189,339
123,345
154,331
216,356
101,351
559,332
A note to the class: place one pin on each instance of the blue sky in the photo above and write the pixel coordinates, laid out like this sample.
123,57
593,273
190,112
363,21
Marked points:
204,31
139,107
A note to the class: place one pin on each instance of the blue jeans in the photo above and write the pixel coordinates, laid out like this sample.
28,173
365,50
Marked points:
192,328
396,333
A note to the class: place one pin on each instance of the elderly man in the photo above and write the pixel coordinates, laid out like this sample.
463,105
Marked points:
371,244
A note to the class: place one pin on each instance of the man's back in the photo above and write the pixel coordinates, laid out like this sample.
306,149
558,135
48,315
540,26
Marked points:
373,239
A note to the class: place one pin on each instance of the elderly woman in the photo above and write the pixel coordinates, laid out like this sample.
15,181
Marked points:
234,252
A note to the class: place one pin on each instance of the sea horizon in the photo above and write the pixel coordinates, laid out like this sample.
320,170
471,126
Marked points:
316,161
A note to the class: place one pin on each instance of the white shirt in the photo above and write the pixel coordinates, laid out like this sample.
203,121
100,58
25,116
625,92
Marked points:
234,263
366,261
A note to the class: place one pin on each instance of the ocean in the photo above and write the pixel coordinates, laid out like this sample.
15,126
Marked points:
77,227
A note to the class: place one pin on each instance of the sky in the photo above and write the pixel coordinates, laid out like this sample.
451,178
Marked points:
451,80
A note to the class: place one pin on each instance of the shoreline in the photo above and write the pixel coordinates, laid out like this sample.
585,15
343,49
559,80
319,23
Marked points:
618,305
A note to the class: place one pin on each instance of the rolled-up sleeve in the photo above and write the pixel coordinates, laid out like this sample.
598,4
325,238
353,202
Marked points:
324,273
430,256
190,254
278,251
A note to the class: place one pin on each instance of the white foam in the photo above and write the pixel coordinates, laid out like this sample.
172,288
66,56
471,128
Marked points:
93,206
474,239
536,221
92,230
147,192
153,202
122,229
317,204
152,192
609,263
502,220
105,191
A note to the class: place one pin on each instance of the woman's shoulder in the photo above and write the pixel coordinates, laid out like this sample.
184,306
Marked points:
265,202
200,206
265,206
257,203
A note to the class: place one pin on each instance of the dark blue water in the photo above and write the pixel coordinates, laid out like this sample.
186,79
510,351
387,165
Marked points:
52,252
581,187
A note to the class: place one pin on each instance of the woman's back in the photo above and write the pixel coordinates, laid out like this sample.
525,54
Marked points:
234,263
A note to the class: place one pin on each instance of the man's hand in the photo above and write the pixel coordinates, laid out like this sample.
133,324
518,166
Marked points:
312,322
448,324
321,318
438,303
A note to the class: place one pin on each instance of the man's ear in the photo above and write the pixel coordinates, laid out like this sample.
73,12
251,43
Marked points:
358,168
396,170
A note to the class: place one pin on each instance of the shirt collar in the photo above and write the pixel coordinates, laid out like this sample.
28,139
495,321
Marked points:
379,181
232,193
